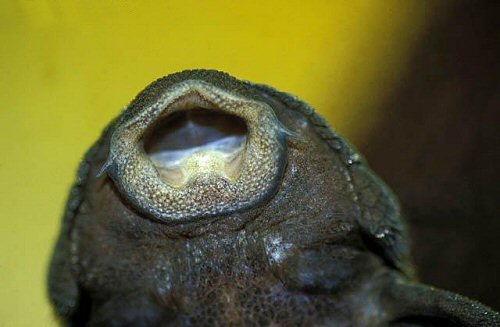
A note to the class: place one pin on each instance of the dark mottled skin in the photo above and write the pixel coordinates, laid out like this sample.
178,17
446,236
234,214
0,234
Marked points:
327,249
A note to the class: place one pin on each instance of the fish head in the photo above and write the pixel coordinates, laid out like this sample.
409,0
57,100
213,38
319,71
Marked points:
199,148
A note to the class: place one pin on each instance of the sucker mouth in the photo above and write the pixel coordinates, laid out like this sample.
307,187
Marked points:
198,151
196,141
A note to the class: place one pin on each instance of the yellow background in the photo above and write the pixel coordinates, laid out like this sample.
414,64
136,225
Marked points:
67,68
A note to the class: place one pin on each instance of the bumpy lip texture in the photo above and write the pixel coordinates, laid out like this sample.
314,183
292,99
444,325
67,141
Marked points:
206,191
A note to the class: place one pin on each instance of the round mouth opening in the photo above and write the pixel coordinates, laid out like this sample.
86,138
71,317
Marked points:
196,141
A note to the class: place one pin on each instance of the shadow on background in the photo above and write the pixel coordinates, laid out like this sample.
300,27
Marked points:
436,145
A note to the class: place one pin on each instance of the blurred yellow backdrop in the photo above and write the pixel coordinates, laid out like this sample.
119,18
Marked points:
68,67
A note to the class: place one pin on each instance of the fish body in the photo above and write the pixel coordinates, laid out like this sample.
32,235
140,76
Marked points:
217,202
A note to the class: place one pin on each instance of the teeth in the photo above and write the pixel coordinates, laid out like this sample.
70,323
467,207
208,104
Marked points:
221,157
227,147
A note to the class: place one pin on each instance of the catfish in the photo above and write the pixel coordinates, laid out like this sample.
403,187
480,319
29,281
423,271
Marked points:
211,201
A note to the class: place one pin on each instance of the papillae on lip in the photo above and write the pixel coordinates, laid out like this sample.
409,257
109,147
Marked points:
207,181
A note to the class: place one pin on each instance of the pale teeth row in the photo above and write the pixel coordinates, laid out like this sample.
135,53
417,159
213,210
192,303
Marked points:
227,147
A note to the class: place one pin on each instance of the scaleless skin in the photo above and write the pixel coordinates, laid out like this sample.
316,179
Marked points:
291,228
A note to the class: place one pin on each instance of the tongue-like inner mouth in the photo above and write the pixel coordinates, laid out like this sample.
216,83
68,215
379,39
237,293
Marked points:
195,142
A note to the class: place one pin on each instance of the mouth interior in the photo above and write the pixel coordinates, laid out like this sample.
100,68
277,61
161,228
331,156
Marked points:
196,141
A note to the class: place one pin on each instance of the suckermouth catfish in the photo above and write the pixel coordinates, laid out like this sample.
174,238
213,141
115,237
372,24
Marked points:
212,201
